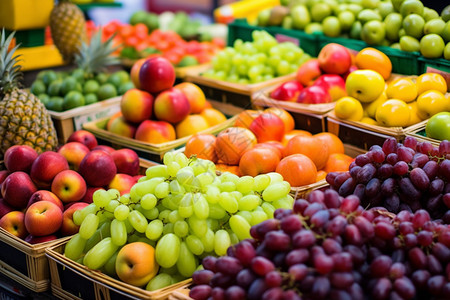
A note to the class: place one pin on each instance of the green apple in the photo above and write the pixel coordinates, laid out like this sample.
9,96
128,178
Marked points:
355,31
373,32
320,11
430,14
410,44
372,4
438,126
333,4
340,8
446,32
396,4
300,17
393,23
432,46
401,33
313,27
411,7
285,2
287,22
331,26
395,46
445,13
385,8
434,26
447,51
413,25
346,18
263,17
355,8
367,15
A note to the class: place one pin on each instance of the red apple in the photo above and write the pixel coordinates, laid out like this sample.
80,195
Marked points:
98,168
127,161
19,158
195,96
172,106
4,208
85,137
136,105
287,91
122,183
155,132
267,127
105,148
313,95
40,239
68,227
156,74
43,218
308,72
46,166
3,175
69,186
17,189
89,192
44,195
333,84
351,69
334,59
14,223
74,152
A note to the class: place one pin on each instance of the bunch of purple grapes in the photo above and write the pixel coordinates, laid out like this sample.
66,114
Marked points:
409,176
329,247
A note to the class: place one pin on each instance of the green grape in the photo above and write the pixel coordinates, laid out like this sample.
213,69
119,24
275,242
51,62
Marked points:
245,214
233,237
167,250
199,166
267,77
176,188
112,205
181,228
148,201
212,194
240,227
138,221
275,177
145,187
125,199
229,177
168,228
99,254
213,224
89,226
134,237
172,168
144,239
174,216
201,207
186,208
150,214
154,229
93,240
221,242
167,203
128,226
142,178
171,271
118,232
113,194
185,176
168,157
194,244
160,281
261,182
249,202
257,217
157,171
186,263
274,60
162,190
79,217
75,247
101,198
164,215
121,212
105,216
245,184
181,159
268,209
110,266
205,179
208,240
198,226
216,211
276,190
227,186
228,202
194,186
283,68
284,202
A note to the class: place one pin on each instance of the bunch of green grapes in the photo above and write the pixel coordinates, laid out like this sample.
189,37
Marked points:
257,61
183,208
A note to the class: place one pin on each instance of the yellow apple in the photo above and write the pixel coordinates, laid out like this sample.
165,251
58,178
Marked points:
393,113
430,103
414,116
348,108
371,108
369,121
365,85
431,81
402,88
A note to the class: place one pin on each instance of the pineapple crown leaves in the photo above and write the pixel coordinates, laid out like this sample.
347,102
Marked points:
10,74
96,56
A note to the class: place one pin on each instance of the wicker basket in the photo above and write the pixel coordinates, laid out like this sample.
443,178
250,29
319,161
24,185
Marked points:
415,131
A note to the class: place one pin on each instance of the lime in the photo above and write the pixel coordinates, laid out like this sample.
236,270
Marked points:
106,91
49,77
55,103
79,75
151,21
38,87
44,98
91,87
68,84
188,60
138,17
73,99
118,78
124,76
101,78
90,98
125,87
54,89
40,75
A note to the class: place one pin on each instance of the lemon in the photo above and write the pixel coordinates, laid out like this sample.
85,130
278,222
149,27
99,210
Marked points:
393,113
402,88
348,108
430,103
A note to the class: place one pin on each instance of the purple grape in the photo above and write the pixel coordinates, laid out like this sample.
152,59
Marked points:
244,252
349,204
385,231
406,227
441,252
274,293
364,226
392,203
319,218
417,258
372,188
298,271
323,263
264,227
410,142
312,209
436,284
366,173
434,265
330,177
221,280
331,246
353,171
380,266
337,225
218,293
392,158
202,276
353,235
420,218
400,168
342,261
419,178
377,155
297,256
444,169
300,205
280,213
200,292
381,289
362,160
341,280
408,190
331,199
256,289
385,171
209,263
235,292
359,190
321,287
273,279
261,265
388,187
397,270
340,178
245,277
425,147
420,278
405,154
291,295
444,147
316,196
291,223
436,187
389,145
228,265
404,287
419,160
277,241
303,239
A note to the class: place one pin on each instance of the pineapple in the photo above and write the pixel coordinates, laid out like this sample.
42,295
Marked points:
23,118
68,28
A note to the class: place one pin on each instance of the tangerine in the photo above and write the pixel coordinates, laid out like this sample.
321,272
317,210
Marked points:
202,145
232,142
373,59
297,169
338,162
334,143
259,160
292,133
311,146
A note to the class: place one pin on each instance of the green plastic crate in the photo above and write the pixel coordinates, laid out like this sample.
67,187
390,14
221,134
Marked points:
351,44
403,62
29,38
437,65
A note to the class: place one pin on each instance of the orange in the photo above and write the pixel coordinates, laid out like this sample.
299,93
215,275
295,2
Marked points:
298,170
333,142
275,145
373,59
338,162
228,168
246,117
232,142
201,145
311,146
190,125
259,160
321,174
285,116
213,116
292,133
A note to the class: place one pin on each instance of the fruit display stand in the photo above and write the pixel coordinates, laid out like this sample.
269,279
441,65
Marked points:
71,120
418,131
71,280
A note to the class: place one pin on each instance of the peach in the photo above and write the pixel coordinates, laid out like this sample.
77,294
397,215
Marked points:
191,125
46,166
43,218
44,195
213,116
17,189
136,105
308,72
105,148
122,182
259,160
171,106
14,223
134,72
285,116
267,127
121,127
127,161
202,145
246,117
232,142
155,132
68,227
74,152
84,137
98,168
112,118
69,186
19,158
156,74
194,94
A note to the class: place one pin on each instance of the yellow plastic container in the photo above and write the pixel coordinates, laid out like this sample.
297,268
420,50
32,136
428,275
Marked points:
242,9
33,58
25,14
